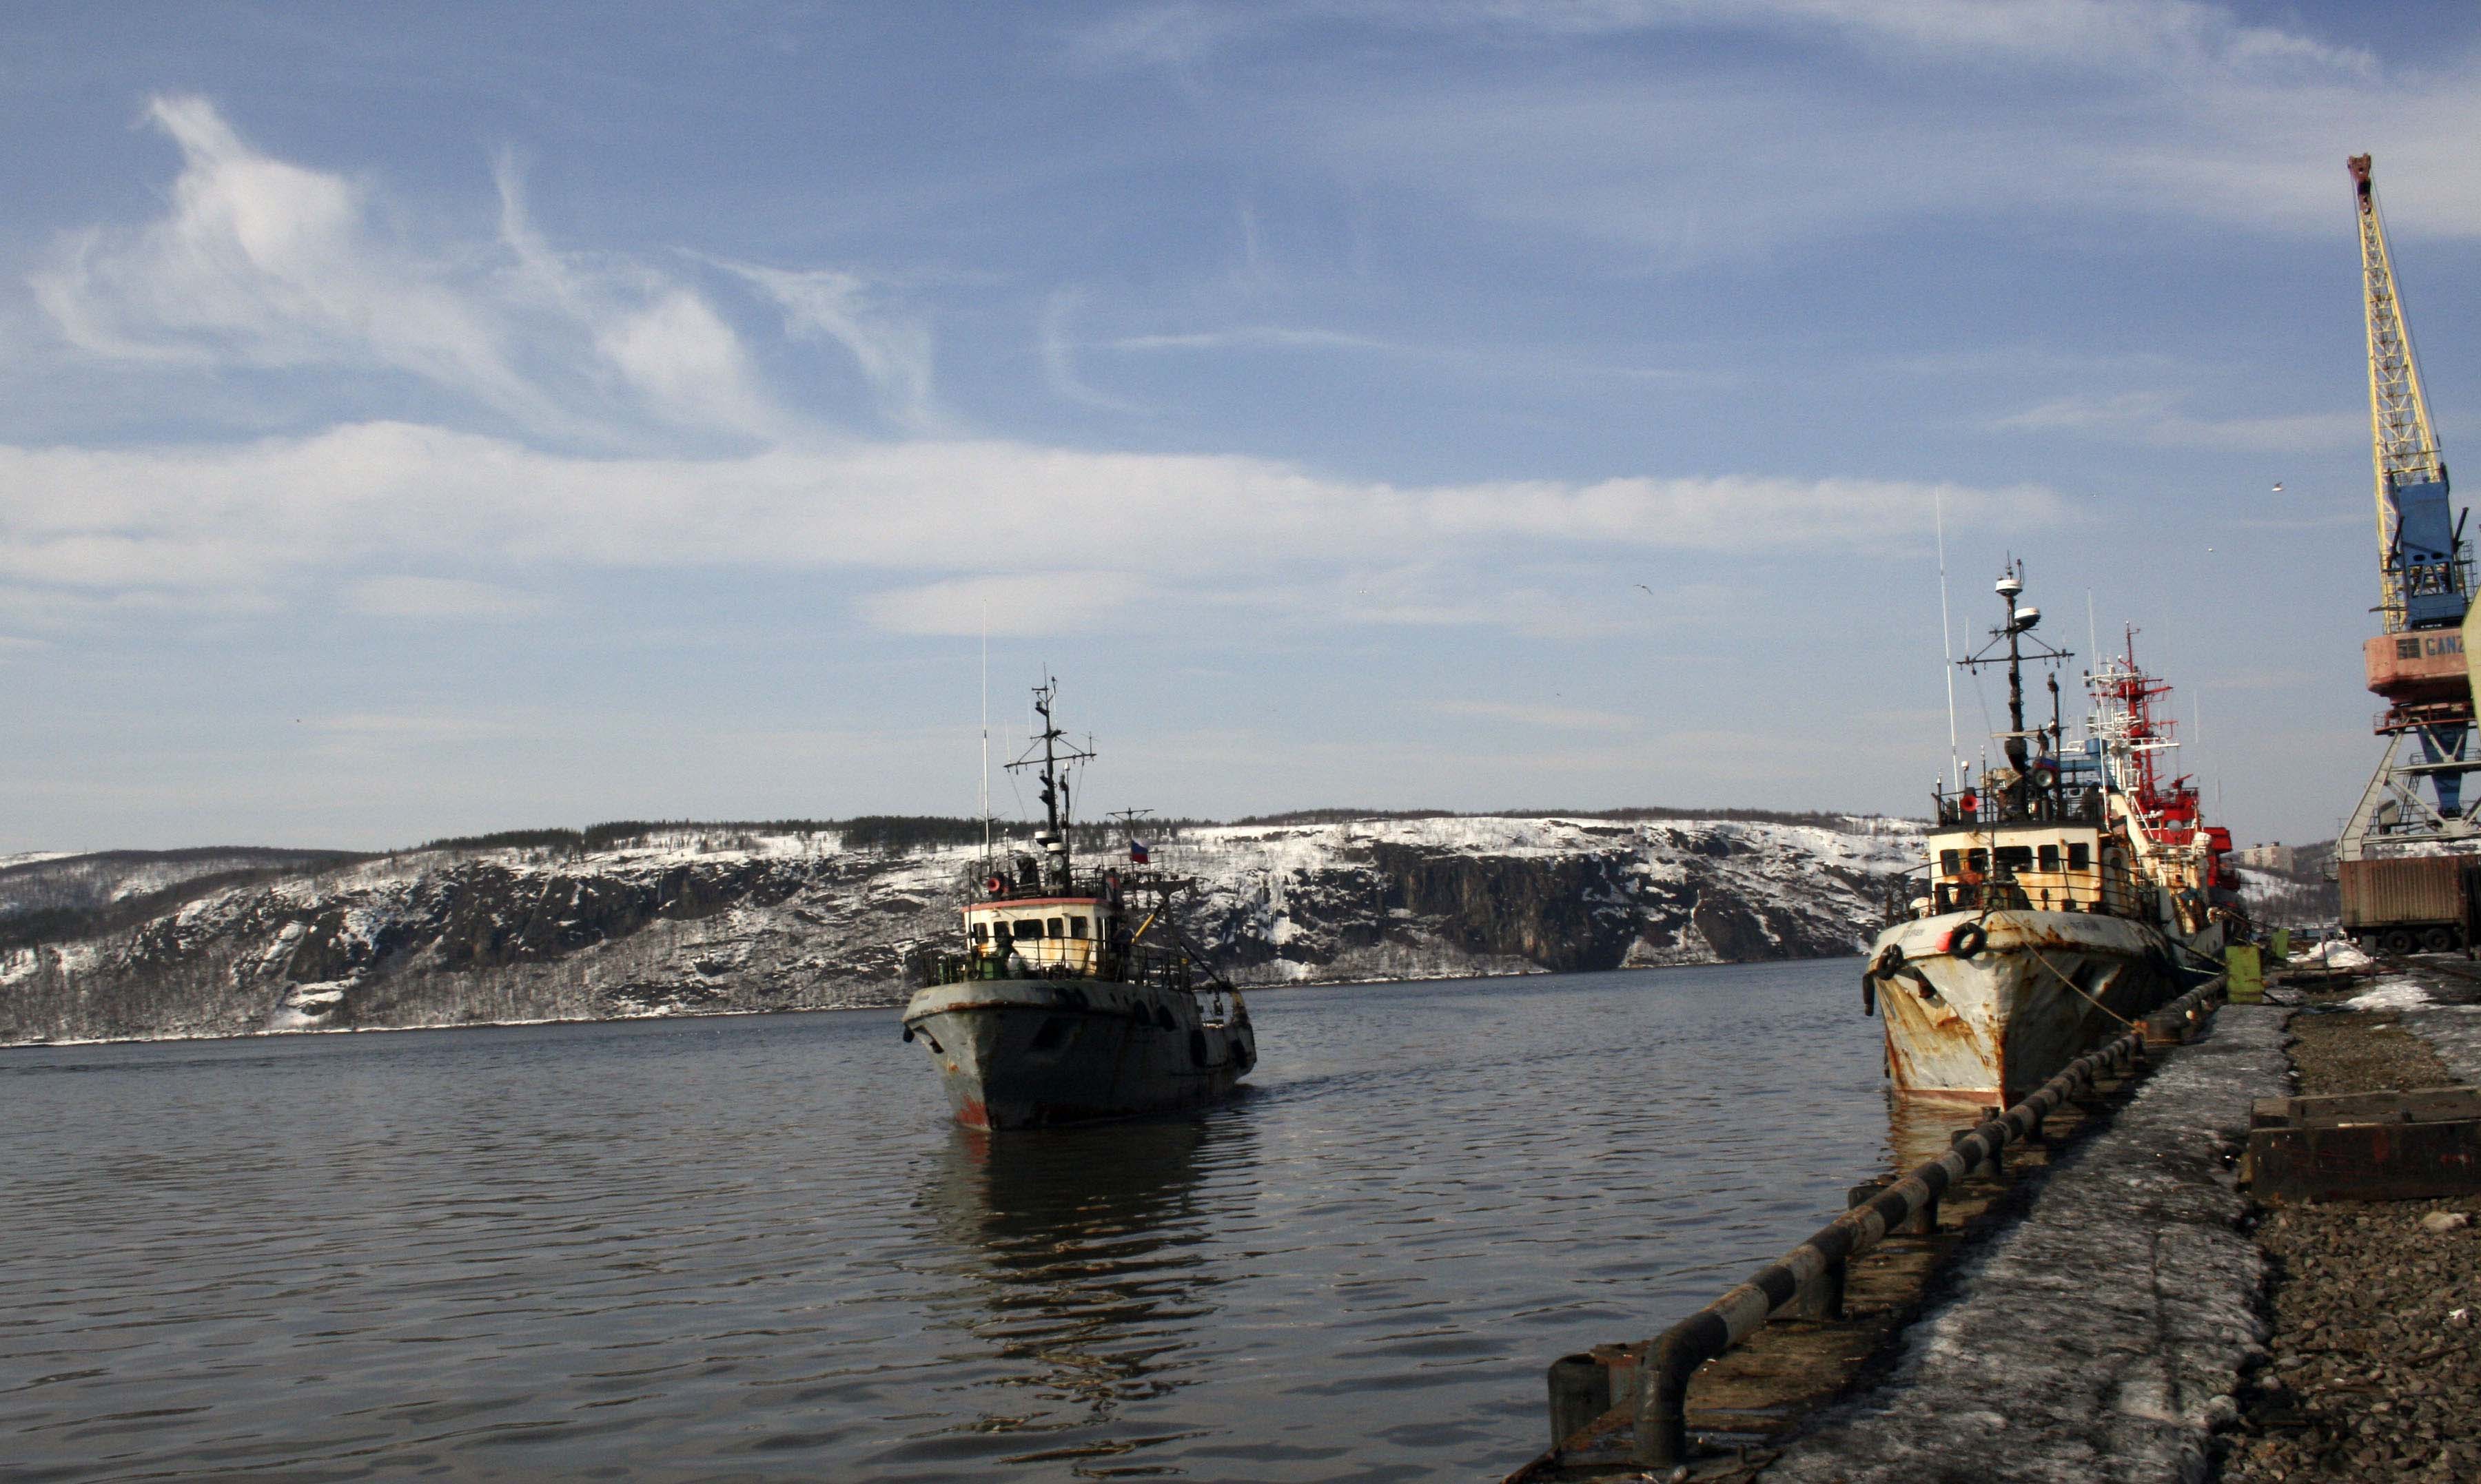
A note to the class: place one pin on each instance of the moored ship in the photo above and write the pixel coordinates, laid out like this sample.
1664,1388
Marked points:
2064,895
1070,1000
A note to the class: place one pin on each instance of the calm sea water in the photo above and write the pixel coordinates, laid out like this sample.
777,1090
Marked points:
755,1247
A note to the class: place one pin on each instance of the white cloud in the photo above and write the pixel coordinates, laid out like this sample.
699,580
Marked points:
262,262
895,353
259,262
222,520
1059,354
1008,605
438,597
2155,418
1251,337
410,726
1564,718
1945,111
2112,35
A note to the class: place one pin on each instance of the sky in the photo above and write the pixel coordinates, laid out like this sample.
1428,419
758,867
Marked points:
430,420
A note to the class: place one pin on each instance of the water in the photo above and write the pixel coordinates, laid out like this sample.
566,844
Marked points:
755,1248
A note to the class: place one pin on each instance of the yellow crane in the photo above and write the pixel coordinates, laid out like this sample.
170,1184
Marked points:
2423,583
2418,663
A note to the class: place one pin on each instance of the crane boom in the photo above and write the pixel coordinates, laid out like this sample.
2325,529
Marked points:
2421,568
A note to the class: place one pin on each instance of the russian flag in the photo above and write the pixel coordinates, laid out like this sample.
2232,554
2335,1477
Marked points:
1137,852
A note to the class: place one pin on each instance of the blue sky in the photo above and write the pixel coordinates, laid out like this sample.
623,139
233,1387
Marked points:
418,420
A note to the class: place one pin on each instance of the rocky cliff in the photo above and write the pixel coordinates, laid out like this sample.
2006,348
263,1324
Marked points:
690,919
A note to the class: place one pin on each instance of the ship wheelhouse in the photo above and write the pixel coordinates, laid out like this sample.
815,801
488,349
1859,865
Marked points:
2031,866
1084,929
2049,848
1047,935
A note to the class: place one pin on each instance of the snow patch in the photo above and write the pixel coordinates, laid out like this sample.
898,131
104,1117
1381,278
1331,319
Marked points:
2392,995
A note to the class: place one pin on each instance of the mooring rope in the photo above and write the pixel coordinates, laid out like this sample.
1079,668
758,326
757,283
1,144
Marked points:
2072,984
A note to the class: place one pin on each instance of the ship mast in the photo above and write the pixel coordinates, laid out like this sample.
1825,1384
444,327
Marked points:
1056,755
2016,632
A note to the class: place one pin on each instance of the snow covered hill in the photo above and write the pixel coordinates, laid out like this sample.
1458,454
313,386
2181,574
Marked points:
711,918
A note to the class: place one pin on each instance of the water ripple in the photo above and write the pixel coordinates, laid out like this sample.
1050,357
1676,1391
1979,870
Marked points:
754,1248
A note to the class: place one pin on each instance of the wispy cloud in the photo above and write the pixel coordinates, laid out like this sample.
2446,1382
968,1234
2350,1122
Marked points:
2157,418
1949,110
1483,360
409,726
260,262
1563,718
894,352
1058,348
208,520
1012,605
438,598
1254,337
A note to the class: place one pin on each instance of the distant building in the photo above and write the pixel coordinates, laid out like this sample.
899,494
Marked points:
2269,858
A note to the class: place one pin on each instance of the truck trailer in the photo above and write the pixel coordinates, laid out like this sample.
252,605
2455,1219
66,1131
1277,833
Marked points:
2413,904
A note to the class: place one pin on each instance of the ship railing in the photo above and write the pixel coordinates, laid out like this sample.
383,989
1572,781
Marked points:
1970,808
1058,958
1650,1380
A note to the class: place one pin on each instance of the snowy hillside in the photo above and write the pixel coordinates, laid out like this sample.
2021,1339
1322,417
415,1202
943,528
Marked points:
692,919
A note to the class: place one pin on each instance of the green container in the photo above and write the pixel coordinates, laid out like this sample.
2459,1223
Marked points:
2247,985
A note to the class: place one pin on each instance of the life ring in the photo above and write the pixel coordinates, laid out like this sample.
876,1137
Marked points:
994,885
1966,941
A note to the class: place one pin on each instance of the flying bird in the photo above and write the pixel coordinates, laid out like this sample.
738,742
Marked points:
1648,592
2277,486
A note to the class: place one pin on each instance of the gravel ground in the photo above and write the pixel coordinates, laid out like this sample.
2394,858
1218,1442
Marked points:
2376,1369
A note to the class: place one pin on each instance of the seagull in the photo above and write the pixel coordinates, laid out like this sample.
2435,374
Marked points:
2277,486
1642,587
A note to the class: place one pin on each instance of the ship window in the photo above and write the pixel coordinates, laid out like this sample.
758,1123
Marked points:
2016,857
981,931
1951,862
1979,860
2049,857
1058,929
1076,927
2079,855
1029,927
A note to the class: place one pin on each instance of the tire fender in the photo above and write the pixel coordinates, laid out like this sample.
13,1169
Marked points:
1966,940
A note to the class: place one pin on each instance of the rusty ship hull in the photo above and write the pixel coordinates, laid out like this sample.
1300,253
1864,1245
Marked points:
1038,1052
2038,990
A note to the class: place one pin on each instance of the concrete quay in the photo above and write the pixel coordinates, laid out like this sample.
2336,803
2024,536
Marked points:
2106,1333
2115,1306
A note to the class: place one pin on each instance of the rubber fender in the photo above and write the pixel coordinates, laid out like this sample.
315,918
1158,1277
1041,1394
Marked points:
908,1033
1869,993
1966,940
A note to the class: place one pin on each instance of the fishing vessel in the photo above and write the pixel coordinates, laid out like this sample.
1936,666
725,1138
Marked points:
2064,894
1070,997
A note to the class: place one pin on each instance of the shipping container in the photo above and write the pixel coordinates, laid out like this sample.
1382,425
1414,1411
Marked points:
2420,903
